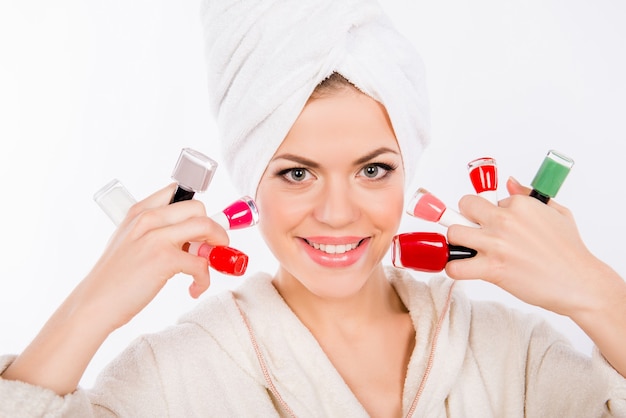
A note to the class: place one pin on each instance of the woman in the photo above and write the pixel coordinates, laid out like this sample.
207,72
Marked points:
332,332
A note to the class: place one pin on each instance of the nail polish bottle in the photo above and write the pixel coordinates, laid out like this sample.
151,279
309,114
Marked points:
427,206
551,175
193,173
242,213
426,251
483,174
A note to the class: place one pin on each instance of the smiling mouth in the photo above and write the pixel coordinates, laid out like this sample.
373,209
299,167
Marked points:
335,248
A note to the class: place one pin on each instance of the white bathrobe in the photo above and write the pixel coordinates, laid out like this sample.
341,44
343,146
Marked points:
488,361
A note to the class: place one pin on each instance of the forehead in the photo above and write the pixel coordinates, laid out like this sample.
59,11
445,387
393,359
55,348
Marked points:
346,122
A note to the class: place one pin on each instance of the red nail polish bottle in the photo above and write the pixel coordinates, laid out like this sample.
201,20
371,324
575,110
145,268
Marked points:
426,251
483,174
224,259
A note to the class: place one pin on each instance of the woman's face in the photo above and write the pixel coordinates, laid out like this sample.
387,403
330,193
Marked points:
331,198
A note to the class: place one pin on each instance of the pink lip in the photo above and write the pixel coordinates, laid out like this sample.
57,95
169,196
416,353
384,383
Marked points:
335,260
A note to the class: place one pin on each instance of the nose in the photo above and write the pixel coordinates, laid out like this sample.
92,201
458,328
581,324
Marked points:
337,205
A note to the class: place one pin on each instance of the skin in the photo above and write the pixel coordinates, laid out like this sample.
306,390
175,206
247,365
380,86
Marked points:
534,251
330,178
142,255
338,173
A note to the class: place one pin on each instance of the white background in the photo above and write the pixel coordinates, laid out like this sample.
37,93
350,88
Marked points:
96,90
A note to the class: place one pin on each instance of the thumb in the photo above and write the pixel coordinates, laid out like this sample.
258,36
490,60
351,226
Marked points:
514,187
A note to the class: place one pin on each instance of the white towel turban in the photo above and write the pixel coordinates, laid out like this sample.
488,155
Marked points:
265,58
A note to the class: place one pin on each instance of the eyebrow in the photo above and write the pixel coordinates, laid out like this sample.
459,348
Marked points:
375,153
310,163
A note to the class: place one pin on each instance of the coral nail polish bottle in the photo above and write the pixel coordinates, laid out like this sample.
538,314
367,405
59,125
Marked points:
426,206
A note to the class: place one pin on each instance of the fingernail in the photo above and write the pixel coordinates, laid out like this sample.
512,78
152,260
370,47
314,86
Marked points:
514,181
194,290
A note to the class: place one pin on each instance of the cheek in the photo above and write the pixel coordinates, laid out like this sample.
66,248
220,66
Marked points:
278,212
387,209
269,210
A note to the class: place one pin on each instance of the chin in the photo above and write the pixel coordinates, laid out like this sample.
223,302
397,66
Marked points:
338,284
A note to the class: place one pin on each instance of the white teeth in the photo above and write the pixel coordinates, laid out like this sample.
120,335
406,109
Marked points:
334,249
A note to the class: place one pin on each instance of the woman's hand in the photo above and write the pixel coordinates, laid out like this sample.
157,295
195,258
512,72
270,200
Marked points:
534,251
144,253
530,249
